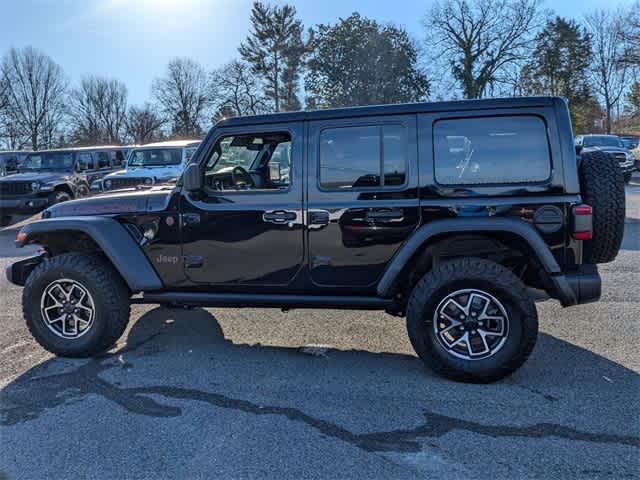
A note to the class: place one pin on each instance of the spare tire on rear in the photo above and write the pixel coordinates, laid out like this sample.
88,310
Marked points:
602,183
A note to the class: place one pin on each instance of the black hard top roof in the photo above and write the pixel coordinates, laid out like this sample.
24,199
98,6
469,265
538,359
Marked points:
397,109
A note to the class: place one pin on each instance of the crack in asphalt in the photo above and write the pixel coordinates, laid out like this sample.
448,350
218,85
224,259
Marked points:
29,398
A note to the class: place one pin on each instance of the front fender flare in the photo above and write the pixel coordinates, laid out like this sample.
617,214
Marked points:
112,238
522,229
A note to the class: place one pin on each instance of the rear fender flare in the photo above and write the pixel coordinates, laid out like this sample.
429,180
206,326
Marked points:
387,284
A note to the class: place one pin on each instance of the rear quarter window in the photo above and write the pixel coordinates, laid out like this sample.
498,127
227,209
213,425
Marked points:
491,150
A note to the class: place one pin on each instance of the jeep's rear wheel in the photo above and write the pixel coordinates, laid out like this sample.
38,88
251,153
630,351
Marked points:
75,305
602,183
472,320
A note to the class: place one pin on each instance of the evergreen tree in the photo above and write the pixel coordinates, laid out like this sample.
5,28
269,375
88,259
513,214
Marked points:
275,50
560,66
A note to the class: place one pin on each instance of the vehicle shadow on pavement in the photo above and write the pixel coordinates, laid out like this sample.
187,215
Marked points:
183,356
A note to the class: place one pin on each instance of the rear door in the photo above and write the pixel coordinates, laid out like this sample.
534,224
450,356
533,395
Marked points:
362,197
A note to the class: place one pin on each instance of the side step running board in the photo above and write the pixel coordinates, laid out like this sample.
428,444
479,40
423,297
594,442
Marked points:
275,301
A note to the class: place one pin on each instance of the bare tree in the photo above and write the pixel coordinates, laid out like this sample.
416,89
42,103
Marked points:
237,91
35,90
632,36
183,96
98,109
609,71
144,124
481,38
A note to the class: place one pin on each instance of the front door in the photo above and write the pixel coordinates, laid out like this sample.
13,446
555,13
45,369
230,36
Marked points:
246,227
362,197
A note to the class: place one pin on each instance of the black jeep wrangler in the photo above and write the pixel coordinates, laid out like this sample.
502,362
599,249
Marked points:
456,215
48,177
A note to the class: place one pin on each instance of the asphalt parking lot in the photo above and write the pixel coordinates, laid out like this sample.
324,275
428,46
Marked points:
221,393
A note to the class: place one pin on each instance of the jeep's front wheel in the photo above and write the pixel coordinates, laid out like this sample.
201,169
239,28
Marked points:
58,196
472,320
75,305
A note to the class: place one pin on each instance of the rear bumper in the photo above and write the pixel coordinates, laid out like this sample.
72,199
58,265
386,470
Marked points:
582,286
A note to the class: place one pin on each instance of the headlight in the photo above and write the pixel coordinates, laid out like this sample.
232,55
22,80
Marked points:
630,156
107,184
35,186
148,181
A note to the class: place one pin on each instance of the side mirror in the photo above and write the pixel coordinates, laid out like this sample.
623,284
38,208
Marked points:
191,178
578,148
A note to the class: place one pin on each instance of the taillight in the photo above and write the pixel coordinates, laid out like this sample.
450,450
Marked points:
583,222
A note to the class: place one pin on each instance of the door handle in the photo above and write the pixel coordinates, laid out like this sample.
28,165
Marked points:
190,219
318,217
279,216
393,214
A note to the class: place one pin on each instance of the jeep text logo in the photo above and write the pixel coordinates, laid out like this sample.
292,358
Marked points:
167,259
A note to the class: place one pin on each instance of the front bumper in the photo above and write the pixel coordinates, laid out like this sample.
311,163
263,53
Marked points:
18,272
21,205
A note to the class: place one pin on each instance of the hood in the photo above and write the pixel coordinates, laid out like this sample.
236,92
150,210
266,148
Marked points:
608,149
132,201
153,172
37,176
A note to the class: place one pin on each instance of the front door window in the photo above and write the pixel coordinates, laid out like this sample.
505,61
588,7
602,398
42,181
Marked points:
250,162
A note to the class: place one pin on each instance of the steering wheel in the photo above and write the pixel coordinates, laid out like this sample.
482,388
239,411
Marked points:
241,178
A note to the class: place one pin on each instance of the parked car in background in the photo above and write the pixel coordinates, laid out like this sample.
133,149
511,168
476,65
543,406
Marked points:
630,142
48,177
613,145
151,164
9,162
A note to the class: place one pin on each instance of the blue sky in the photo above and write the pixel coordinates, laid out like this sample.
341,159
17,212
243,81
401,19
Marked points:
132,40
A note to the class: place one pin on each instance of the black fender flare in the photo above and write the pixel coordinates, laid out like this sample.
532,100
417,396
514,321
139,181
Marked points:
112,238
562,289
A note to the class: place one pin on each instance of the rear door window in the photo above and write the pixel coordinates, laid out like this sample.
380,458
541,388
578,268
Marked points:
491,150
363,156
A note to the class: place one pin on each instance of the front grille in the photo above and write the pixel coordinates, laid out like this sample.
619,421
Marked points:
127,182
15,188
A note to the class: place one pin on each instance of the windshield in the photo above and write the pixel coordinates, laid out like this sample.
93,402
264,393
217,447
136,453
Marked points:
48,161
155,157
602,141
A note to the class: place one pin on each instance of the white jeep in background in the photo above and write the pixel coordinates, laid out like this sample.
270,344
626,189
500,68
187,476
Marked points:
151,164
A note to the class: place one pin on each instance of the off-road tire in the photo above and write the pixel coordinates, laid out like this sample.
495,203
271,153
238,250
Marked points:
627,177
490,277
58,196
109,293
602,185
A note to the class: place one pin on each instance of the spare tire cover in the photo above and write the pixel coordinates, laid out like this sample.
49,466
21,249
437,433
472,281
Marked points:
602,185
